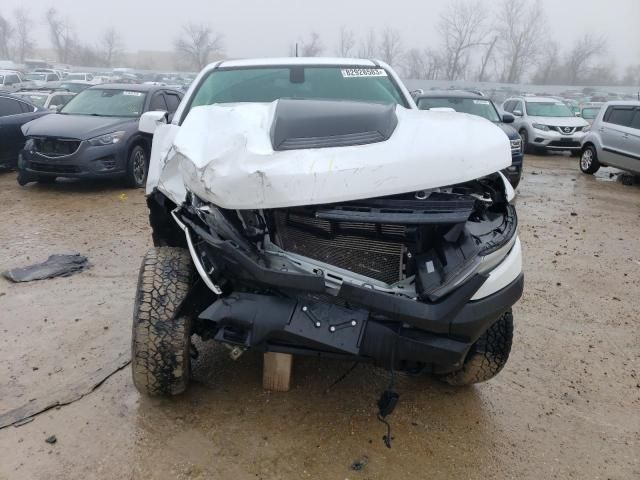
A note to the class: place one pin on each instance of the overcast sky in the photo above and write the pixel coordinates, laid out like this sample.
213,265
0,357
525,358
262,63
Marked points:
268,27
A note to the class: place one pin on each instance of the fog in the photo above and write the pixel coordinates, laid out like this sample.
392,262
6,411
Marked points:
268,28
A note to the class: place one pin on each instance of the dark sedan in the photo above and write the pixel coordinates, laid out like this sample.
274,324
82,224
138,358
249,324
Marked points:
14,112
475,104
95,135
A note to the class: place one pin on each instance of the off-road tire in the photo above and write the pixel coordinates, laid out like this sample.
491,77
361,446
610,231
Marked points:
487,356
161,343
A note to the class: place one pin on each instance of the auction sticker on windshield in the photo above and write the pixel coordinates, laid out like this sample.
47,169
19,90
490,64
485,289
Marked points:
133,94
363,72
481,102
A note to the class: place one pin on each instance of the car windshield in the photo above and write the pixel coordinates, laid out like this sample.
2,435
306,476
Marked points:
474,106
590,112
549,109
300,82
75,76
36,99
105,102
36,76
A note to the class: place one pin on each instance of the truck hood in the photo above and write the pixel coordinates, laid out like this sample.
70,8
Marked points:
81,127
225,155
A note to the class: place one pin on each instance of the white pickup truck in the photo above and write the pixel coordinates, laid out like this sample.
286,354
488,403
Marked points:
306,206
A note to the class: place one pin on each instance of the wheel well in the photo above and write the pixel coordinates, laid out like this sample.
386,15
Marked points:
139,142
588,144
164,230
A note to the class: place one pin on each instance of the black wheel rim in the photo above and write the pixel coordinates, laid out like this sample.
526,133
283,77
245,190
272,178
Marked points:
139,165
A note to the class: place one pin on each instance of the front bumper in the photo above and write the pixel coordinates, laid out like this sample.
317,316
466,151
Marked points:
86,162
295,313
552,140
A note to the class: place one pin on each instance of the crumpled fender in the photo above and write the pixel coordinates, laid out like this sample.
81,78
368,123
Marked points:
223,153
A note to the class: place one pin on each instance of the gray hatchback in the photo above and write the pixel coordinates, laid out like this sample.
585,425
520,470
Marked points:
614,139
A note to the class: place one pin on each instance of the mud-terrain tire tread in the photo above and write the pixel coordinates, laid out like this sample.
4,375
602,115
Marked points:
487,356
160,346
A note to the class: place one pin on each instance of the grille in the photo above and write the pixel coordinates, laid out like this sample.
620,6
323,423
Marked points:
350,246
52,168
56,147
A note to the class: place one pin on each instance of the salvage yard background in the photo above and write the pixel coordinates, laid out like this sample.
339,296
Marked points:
564,407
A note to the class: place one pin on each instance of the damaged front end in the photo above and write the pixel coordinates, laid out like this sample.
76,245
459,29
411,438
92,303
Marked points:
408,281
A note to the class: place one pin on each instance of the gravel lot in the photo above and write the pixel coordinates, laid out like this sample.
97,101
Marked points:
566,405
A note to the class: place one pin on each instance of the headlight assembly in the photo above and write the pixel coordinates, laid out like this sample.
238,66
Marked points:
107,139
539,126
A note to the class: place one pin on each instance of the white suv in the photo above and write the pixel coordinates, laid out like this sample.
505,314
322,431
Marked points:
546,124
614,139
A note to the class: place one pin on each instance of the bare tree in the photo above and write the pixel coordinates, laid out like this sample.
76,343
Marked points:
390,48
422,64
110,46
463,27
6,37
486,58
62,35
24,41
579,58
521,26
632,76
346,42
549,69
198,43
369,46
312,47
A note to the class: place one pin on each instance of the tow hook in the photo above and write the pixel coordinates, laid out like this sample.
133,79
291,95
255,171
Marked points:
235,352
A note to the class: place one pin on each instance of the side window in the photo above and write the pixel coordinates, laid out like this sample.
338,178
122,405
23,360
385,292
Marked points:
636,120
9,106
158,103
89,78
619,116
26,108
173,100
508,106
57,100
12,80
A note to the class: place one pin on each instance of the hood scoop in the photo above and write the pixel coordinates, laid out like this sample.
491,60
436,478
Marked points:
303,124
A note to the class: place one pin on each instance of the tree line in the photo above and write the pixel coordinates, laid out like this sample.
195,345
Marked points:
508,42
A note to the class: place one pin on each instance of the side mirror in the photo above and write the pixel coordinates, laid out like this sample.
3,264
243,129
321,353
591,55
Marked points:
149,121
508,118
578,114
517,113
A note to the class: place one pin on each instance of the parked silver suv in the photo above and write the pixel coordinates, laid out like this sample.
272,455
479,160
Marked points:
546,124
614,139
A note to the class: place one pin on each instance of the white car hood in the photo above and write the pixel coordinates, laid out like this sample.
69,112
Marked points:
560,121
224,155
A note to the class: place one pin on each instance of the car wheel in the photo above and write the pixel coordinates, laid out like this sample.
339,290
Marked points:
137,167
161,341
589,160
24,178
524,137
487,356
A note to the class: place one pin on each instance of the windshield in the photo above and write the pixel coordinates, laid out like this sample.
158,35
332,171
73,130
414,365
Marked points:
590,113
35,99
106,103
269,84
74,87
549,109
36,76
474,106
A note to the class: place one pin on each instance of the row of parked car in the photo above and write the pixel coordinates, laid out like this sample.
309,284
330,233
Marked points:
601,134
94,134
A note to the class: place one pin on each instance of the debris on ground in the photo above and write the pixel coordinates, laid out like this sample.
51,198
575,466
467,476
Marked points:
52,439
54,266
359,464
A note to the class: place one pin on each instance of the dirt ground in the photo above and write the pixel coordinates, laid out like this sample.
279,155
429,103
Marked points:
566,406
